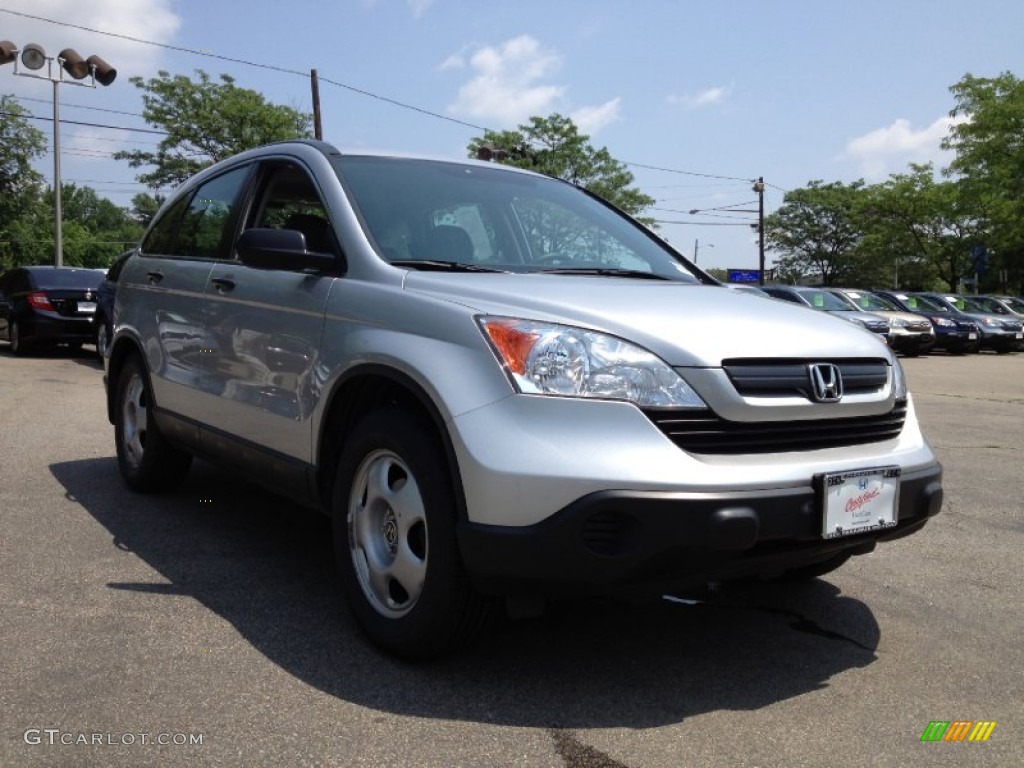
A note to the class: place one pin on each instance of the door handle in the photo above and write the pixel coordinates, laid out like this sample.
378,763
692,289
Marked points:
223,284
155,276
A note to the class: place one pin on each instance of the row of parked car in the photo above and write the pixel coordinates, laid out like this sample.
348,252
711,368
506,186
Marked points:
42,306
915,323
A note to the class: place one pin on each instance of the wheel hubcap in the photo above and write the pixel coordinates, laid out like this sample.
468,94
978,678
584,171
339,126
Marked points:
134,420
387,533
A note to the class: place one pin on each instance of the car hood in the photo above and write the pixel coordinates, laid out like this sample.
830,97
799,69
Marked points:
856,314
684,324
899,314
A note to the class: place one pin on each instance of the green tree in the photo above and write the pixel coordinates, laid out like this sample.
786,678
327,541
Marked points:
918,230
93,230
818,231
206,122
989,163
145,206
554,146
20,184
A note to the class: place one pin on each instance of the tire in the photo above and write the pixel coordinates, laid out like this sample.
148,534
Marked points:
148,463
101,340
815,570
394,519
19,346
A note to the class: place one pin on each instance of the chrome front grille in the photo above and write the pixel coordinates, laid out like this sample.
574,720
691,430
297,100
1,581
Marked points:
790,378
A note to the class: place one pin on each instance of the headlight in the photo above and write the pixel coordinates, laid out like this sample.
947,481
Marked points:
991,322
899,322
943,321
551,359
899,381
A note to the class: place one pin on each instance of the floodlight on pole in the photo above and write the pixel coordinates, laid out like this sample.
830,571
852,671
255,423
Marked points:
33,58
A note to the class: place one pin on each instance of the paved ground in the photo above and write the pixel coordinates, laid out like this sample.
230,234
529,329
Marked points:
212,615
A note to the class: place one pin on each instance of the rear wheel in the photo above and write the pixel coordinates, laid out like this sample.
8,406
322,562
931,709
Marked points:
394,517
19,346
147,461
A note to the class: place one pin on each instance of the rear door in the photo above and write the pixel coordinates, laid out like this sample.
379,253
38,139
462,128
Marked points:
161,292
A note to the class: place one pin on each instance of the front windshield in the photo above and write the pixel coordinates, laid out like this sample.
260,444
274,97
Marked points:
923,303
869,302
825,300
491,219
971,305
990,305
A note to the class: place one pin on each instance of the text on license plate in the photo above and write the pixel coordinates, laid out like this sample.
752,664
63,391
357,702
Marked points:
859,501
87,306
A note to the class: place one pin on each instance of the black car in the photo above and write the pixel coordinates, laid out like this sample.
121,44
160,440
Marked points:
46,306
955,332
996,332
103,319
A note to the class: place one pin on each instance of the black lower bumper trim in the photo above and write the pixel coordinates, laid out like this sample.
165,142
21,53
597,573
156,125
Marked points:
615,542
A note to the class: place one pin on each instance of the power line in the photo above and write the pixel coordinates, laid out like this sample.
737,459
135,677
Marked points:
89,125
246,62
685,173
82,106
337,83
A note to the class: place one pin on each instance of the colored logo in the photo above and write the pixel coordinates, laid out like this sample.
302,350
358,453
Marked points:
958,730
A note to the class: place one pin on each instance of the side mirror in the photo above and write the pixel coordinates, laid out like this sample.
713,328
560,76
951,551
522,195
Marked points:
280,249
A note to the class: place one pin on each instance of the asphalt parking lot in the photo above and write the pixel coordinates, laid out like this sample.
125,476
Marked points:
205,627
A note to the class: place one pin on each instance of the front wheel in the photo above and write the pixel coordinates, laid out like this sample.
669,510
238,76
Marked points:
394,518
147,461
101,340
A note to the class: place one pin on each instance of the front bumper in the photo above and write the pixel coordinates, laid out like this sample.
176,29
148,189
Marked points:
642,542
913,342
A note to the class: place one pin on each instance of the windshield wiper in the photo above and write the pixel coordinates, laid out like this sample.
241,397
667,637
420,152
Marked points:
442,266
604,272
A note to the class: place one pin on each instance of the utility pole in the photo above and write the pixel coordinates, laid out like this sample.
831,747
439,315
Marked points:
759,188
314,83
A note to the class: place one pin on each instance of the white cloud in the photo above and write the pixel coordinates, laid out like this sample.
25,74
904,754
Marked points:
145,19
506,87
889,150
419,7
455,61
705,98
590,120
509,86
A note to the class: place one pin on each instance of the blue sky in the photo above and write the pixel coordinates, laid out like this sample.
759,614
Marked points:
791,91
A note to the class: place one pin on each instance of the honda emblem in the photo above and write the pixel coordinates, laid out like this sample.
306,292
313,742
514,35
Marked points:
826,382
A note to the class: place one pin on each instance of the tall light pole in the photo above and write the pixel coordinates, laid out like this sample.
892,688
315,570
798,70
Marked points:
696,245
34,58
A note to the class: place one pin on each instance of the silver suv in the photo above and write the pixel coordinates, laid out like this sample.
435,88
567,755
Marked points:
499,388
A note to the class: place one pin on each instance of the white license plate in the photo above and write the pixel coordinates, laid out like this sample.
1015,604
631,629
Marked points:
859,501
87,306
1020,335
972,336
